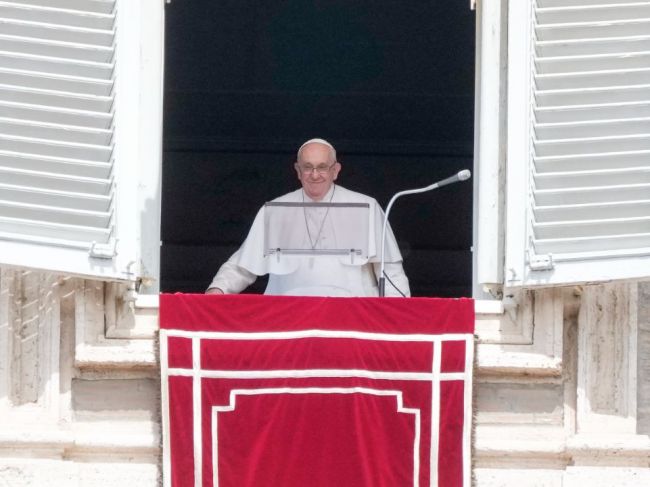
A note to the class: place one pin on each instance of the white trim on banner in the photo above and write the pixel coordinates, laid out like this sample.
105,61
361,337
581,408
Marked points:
435,412
164,396
314,373
197,412
317,390
467,421
315,333
198,374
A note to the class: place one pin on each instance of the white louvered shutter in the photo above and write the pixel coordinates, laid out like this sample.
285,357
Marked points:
582,177
58,183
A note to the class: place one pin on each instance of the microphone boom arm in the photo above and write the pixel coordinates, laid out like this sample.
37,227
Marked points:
461,176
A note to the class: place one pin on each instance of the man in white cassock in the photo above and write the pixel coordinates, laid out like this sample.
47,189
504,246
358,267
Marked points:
314,275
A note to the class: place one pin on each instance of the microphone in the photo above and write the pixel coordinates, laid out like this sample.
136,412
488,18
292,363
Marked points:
460,176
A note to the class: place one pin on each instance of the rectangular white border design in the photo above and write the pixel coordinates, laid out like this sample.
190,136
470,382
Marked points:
434,376
317,390
315,333
435,412
197,410
467,407
164,397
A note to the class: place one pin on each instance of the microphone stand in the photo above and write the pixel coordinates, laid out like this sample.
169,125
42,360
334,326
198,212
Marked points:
461,176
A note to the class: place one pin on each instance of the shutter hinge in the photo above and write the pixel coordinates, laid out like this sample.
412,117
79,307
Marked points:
541,262
103,251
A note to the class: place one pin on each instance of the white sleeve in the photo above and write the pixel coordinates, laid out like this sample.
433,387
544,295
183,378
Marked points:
395,273
231,278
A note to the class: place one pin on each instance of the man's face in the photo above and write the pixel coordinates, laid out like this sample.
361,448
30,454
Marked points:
317,170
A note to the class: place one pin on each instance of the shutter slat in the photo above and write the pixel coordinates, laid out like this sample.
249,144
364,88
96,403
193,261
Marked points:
56,182
593,128
18,226
592,112
45,114
98,6
563,213
590,228
67,216
18,95
606,78
56,82
585,162
592,63
62,66
57,16
67,133
576,47
596,246
68,50
599,194
593,13
594,30
581,179
56,148
39,196
592,96
558,147
52,32
575,3
45,241
72,167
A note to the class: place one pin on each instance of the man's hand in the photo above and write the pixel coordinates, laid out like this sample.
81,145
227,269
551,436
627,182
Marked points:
214,290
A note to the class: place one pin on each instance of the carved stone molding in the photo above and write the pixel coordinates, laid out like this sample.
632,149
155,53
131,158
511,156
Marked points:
526,338
29,344
130,315
96,310
55,416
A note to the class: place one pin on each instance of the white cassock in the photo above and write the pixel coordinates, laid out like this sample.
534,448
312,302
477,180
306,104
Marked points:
314,275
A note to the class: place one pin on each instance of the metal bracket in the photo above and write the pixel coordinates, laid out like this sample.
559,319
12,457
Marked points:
541,262
103,251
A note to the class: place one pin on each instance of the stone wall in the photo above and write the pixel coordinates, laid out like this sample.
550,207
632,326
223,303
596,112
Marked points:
562,386
77,407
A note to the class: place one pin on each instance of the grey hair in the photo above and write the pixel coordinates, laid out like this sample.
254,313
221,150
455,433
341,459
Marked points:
317,141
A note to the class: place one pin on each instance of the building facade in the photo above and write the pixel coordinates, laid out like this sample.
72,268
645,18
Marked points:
562,232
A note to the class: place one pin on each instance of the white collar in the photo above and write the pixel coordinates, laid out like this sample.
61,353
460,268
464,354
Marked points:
325,199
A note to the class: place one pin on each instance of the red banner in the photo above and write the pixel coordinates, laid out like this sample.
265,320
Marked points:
304,391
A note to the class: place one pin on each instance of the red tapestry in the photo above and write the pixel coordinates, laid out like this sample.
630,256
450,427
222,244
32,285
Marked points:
262,391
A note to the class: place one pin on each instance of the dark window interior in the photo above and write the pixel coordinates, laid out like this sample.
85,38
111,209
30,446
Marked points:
389,83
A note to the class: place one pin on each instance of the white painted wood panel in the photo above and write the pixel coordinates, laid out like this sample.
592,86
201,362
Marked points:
56,121
585,176
81,136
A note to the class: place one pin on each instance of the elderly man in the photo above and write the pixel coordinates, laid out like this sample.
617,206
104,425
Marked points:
317,169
